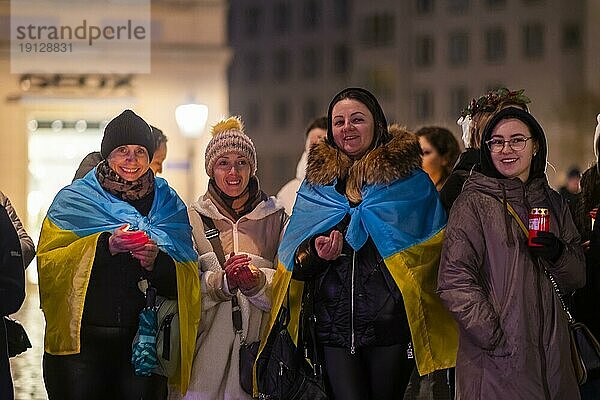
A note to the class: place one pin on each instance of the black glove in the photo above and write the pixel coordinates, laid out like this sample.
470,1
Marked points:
551,247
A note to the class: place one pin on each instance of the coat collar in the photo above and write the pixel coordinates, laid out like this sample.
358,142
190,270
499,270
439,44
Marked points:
265,208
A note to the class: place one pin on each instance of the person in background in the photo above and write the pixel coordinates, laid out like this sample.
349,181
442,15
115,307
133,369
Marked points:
440,152
473,120
514,335
585,214
250,225
363,213
103,236
27,246
572,187
90,161
316,131
12,292
160,141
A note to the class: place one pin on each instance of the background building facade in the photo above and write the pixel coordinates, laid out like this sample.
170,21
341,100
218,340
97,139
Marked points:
424,59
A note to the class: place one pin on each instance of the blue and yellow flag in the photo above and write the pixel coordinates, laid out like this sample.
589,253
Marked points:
78,215
406,221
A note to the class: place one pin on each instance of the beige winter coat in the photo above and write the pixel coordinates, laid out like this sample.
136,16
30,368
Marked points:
215,372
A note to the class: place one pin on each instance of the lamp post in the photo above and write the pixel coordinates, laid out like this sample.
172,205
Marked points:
191,120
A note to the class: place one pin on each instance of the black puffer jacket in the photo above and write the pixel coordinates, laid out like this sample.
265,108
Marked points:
356,301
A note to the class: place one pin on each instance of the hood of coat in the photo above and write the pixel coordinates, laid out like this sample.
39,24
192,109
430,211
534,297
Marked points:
395,159
538,163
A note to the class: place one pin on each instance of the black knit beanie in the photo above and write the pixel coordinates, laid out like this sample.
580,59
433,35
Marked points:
127,128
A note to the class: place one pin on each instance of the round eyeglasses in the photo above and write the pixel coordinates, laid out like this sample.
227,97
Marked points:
516,144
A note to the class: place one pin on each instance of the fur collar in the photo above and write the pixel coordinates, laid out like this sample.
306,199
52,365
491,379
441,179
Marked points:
383,165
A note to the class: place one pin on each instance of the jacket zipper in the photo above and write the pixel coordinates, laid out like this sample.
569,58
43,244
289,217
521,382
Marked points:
352,348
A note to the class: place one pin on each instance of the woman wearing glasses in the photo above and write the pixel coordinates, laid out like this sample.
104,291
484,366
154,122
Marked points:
514,338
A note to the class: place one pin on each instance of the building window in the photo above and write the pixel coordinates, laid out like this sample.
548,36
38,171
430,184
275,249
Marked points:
252,21
341,13
459,99
495,44
282,65
571,37
311,14
381,82
533,40
310,110
378,30
252,116
311,62
282,17
458,6
424,51
458,48
424,6
341,59
252,64
423,105
281,114
495,3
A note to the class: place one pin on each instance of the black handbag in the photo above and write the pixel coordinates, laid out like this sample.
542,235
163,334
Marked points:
282,371
18,341
248,353
585,352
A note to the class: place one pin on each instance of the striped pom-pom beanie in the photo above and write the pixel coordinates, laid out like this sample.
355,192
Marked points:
228,137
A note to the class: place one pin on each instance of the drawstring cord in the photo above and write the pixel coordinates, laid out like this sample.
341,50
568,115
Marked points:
509,238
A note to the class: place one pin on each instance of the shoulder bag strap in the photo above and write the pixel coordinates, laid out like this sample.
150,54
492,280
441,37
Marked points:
212,234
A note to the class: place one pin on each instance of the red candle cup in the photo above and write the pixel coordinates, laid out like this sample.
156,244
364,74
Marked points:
539,221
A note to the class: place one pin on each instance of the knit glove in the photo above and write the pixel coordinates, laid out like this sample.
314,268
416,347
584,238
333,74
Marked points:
551,247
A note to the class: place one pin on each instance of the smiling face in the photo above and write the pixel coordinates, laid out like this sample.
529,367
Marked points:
130,161
352,127
232,173
509,162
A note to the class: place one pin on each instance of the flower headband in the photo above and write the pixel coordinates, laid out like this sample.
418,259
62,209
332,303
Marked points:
490,101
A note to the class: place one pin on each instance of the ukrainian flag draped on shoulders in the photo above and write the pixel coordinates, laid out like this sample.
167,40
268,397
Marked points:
78,215
406,221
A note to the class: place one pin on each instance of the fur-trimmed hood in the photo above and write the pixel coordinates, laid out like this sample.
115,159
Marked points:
385,164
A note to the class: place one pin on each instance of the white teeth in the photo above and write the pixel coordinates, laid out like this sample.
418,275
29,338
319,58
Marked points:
234,182
130,170
509,160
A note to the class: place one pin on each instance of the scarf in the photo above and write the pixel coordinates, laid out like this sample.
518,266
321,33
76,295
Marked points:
237,207
121,188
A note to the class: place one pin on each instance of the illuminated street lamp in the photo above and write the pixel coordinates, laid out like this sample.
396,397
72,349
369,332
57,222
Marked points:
191,120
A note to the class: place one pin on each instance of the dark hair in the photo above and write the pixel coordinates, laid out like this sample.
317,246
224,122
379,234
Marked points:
158,135
381,134
317,123
444,143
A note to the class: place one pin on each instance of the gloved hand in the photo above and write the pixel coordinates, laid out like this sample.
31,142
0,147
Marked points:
551,247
